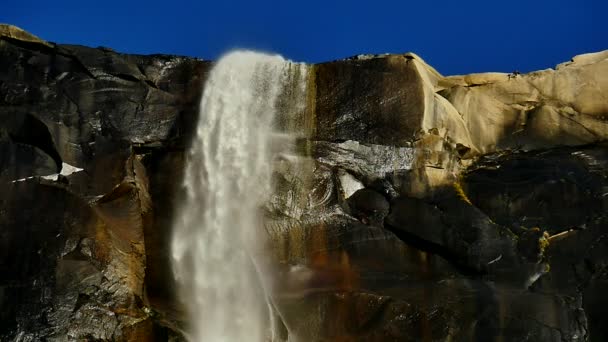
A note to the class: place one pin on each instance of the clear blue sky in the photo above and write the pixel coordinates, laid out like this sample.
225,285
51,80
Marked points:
453,36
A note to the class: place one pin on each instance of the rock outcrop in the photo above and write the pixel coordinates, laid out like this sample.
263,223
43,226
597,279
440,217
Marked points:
420,207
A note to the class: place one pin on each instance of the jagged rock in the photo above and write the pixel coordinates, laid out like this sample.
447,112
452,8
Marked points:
413,206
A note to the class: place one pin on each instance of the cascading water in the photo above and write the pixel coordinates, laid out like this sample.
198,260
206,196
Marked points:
227,179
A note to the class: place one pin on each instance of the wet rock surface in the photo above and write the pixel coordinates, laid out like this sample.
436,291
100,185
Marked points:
414,207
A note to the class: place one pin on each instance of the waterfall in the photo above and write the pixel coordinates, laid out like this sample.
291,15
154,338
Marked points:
218,227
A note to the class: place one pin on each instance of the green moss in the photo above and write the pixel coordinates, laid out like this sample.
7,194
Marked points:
543,243
460,192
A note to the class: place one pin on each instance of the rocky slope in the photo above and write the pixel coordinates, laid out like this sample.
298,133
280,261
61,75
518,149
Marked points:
428,207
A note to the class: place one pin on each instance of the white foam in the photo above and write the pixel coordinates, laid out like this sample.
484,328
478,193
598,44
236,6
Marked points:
227,178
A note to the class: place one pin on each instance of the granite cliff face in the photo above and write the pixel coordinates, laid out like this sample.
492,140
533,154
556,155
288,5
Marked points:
423,207
83,255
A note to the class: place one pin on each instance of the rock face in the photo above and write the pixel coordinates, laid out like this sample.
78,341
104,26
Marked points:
417,207
83,257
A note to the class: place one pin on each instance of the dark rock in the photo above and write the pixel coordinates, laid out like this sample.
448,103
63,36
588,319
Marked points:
368,206
537,189
374,101
83,234
417,217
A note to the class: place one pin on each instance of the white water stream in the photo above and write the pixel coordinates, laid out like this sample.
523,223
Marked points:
227,179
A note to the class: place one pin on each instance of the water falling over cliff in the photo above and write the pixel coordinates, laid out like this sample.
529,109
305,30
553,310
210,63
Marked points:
227,179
